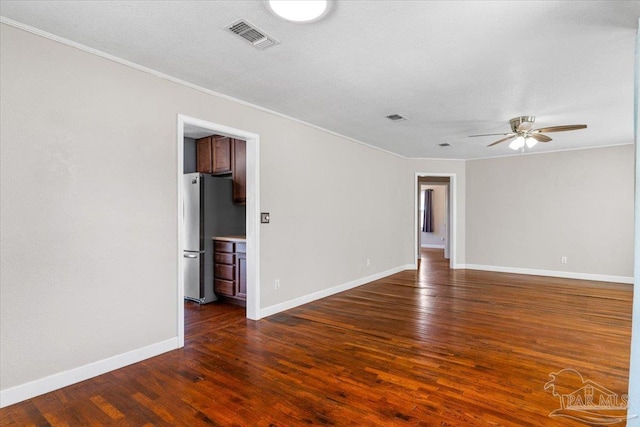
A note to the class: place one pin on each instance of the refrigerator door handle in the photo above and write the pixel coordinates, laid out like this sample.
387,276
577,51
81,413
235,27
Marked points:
190,256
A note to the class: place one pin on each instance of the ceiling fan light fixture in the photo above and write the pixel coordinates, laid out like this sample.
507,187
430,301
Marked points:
522,123
301,11
517,143
525,135
531,142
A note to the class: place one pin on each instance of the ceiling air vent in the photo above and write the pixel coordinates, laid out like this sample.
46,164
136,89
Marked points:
249,32
396,117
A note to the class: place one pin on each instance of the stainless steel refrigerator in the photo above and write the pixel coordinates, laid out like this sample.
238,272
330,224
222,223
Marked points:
208,211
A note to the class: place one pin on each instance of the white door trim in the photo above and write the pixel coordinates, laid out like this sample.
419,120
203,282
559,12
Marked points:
453,247
447,228
253,214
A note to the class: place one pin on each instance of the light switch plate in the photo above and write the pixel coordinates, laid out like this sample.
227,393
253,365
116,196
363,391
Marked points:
264,217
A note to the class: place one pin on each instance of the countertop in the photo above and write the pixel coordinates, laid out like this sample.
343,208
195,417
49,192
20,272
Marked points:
231,238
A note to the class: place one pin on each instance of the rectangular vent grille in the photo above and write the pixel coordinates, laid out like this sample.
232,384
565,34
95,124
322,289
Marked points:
250,33
240,27
396,117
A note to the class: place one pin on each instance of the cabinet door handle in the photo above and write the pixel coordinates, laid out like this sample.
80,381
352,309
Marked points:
190,256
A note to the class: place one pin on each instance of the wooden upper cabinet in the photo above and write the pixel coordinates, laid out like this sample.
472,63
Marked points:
221,162
214,155
204,155
221,155
239,167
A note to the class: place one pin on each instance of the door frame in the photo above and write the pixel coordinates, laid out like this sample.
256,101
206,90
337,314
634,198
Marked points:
253,214
452,214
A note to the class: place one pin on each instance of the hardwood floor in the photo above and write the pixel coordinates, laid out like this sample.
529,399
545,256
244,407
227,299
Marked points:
436,347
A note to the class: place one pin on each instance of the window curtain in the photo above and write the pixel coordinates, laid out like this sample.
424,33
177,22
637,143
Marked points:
427,220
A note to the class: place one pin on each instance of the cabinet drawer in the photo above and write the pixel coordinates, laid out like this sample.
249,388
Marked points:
223,258
241,247
226,272
224,287
222,246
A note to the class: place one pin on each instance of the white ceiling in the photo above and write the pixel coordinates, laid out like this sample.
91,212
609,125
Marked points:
453,68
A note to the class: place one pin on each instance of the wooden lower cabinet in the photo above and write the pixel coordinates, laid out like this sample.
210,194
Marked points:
230,269
241,271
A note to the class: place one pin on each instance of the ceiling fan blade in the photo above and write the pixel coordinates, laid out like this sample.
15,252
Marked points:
560,128
492,134
511,136
540,137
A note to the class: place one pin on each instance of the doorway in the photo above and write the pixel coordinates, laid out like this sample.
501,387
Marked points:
446,227
437,236
192,127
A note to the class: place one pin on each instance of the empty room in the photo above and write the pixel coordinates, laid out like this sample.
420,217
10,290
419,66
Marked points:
282,213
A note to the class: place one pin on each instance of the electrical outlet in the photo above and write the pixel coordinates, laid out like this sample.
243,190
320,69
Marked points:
368,262
563,260
276,284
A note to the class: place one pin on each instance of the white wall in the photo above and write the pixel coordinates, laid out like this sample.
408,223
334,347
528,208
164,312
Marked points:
89,202
331,210
435,238
528,211
88,165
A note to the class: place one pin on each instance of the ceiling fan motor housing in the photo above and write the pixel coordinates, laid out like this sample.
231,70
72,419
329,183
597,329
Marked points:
517,121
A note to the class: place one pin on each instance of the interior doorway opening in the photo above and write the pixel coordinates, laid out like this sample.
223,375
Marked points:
433,210
194,128
443,212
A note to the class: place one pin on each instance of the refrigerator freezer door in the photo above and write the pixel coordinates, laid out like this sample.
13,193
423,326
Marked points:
192,276
191,211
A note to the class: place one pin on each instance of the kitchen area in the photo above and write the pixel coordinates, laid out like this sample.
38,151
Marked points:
214,212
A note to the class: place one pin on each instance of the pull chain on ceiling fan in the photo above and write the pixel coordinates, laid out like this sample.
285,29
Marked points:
522,133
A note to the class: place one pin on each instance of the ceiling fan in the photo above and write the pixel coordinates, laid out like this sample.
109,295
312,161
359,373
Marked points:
522,133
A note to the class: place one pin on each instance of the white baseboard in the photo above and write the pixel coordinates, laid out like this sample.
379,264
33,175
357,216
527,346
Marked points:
56,381
550,273
287,305
432,246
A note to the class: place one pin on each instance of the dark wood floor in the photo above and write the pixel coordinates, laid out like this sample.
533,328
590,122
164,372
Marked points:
434,348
